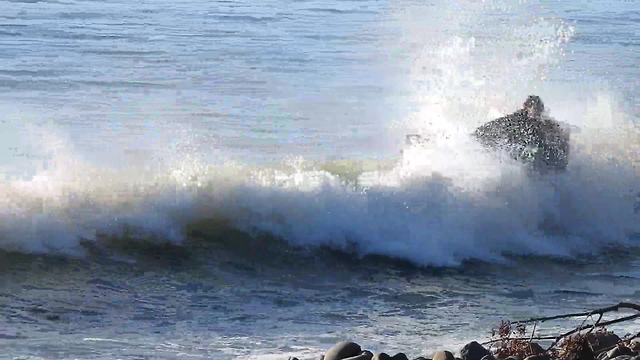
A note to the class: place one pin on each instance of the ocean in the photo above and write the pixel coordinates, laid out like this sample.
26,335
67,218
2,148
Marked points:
230,179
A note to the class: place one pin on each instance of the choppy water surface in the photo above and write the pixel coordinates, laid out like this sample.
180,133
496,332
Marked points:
246,306
228,179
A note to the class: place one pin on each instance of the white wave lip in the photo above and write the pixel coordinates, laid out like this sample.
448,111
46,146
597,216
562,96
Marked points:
442,203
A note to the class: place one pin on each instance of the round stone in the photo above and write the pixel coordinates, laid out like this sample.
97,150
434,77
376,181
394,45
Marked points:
343,350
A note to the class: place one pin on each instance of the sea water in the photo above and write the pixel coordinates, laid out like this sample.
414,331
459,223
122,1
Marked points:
230,179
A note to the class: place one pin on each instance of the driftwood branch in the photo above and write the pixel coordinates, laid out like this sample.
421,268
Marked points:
514,344
596,323
613,308
528,338
602,324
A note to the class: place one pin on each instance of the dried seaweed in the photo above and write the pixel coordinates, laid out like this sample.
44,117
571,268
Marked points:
581,342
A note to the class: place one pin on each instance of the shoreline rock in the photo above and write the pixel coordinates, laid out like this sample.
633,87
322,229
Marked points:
511,341
597,346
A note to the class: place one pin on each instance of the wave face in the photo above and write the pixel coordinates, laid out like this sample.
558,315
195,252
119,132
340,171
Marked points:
438,203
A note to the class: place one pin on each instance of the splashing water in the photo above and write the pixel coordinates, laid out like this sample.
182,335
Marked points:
438,203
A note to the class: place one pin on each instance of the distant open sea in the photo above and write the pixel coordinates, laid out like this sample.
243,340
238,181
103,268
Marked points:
230,179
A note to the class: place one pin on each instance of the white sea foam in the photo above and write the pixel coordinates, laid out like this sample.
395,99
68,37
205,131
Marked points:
441,203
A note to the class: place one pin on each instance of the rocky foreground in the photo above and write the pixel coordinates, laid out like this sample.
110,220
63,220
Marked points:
600,345
511,341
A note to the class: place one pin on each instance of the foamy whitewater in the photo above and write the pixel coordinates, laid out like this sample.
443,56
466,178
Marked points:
231,179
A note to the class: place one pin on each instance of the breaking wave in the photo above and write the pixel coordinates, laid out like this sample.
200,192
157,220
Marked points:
472,206
437,203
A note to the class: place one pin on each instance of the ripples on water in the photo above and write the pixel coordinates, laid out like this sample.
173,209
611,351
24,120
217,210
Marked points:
245,75
274,77
226,305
